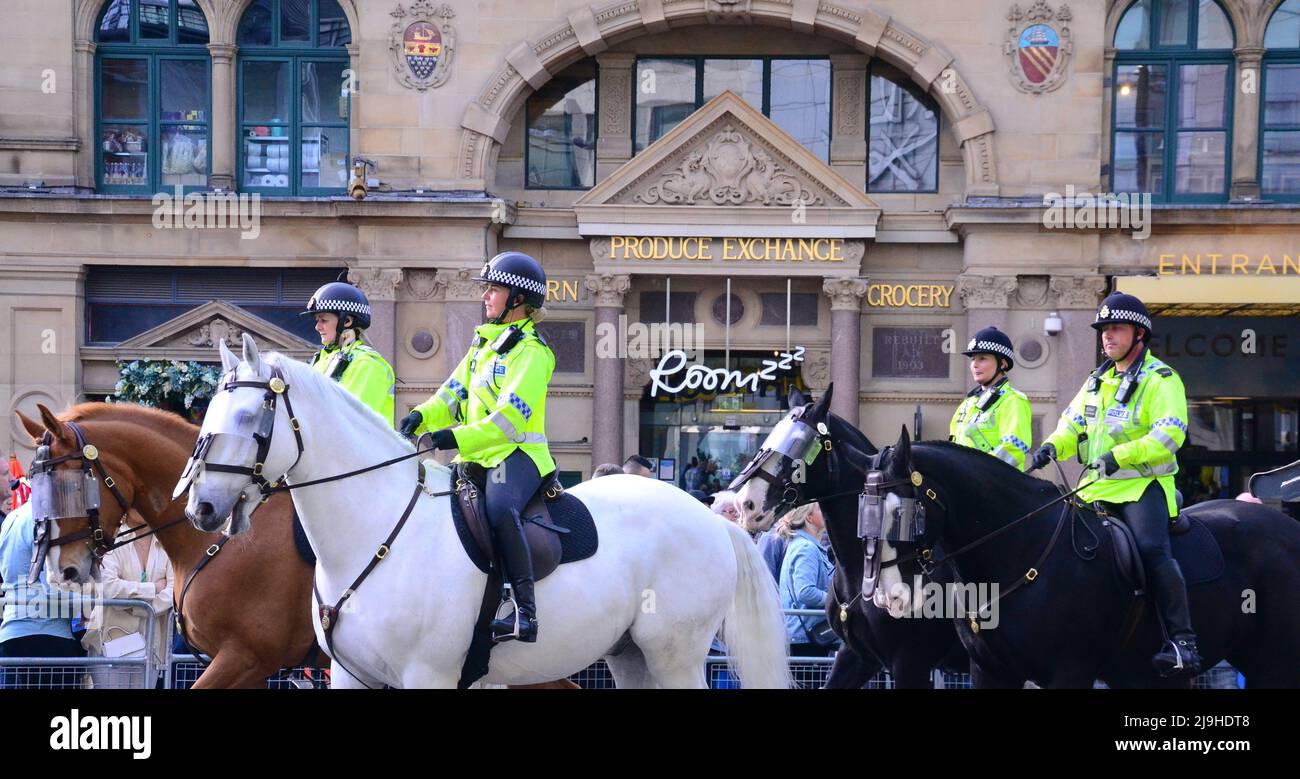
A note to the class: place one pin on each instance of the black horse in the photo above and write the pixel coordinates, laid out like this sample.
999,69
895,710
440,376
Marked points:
1065,614
776,480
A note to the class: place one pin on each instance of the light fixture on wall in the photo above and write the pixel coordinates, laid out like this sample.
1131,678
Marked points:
1052,324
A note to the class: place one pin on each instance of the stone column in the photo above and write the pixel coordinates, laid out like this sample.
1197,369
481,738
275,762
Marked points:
608,291
221,170
380,286
986,300
464,312
1245,138
614,146
846,295
83,66
1075,348
848,131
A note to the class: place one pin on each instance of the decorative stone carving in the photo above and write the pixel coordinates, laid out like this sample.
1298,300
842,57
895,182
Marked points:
461,286
985,291
817,367
615,91
849,114
422,42
1038,47
636,373
727,11
845,293
211,334
377,283
1078,291
1031,291
729,170
609,289
424,284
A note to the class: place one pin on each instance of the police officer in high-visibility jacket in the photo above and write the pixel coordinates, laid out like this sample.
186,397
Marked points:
493,409
995,416
1127,422
342,315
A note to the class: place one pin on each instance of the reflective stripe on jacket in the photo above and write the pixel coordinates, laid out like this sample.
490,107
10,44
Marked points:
1003,430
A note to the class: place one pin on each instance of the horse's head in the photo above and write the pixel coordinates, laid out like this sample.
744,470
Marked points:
79,494
236,446
900,516
795,464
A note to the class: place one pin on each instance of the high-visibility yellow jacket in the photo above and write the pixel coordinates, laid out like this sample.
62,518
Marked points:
1143,434
496,403
1003,429
365,374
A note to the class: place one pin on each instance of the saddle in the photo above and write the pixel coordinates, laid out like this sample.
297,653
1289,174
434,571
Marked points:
558,527
1193,545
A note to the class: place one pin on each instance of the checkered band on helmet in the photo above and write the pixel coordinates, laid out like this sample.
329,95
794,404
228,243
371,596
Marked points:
511,280
1120,308
991,340
341,298
520,273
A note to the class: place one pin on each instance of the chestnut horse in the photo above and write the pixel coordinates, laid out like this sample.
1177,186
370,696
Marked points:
249,608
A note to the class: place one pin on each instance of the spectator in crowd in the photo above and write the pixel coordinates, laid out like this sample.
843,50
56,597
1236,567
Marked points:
639,466
30,626
724,505
694,476
139,570
6,498
701,497
606,469
773,543
804,581
711,483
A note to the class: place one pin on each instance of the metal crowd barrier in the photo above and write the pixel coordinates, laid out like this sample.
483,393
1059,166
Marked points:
84,672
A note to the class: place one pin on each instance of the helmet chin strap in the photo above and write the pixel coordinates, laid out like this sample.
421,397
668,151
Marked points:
510,306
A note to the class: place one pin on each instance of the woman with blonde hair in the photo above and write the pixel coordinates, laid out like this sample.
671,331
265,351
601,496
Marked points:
804,581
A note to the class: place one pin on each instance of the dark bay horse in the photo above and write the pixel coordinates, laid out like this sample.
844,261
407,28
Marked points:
1075,619
249,608
908,648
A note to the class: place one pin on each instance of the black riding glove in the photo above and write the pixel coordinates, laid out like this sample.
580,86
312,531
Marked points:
444,439
1045,454
1107,464
410,424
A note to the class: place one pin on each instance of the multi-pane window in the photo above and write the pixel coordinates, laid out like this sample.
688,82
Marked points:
1279,173
294,97
1173,101
154,97
561,144
794,93
902,137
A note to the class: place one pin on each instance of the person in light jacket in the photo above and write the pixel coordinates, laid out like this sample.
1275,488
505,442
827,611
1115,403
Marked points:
805,579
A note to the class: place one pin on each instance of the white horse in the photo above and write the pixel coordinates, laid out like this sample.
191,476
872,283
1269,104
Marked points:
667,575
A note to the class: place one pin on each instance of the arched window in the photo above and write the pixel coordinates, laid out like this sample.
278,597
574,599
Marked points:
294,99
560,150
1279,143
154,98
902,135
1172,103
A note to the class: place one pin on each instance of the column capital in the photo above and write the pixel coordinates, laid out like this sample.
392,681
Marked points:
615,59
1248,55
1077,292
845,292
222,53
609,289
84,47
461,286
979,291
377,283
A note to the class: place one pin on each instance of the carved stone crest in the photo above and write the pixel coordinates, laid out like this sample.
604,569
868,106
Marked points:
211,333
423,43
423,283
1038,46
727,11
729,170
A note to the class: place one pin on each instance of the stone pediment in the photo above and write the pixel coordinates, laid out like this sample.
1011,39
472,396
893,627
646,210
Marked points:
727,165
203,328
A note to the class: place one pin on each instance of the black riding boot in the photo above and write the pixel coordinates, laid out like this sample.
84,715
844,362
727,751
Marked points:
517,563
1178,657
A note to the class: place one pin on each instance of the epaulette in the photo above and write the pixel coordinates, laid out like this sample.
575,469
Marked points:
1164,371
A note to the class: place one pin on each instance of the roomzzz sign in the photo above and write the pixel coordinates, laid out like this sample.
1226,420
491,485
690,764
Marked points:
701,377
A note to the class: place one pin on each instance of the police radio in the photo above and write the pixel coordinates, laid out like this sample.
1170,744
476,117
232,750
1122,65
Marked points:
507,340
1094,381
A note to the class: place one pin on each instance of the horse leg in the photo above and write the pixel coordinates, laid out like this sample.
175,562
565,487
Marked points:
851,670
233,668
911,675
629,669
672,671
985,679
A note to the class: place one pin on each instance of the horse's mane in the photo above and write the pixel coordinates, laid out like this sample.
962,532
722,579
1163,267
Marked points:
128,412
856,436
982,470
304,379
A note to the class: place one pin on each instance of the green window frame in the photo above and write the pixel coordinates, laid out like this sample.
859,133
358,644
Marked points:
902,82
573,83
699,61
1273,57
293,129
1172,58
119,168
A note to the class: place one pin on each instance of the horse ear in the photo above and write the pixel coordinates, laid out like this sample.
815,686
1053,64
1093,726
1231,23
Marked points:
33,428
251,355
823,404
903,451
52,424
796,398
229,361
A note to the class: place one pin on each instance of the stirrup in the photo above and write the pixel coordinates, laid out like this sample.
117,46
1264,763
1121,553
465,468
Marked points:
508,613
1186,659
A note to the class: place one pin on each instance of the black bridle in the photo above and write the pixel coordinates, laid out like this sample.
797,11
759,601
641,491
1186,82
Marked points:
795,443
92,473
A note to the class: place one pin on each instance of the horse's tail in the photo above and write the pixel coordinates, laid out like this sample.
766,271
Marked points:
754,629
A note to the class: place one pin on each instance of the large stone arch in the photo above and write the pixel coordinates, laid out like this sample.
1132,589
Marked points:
588,31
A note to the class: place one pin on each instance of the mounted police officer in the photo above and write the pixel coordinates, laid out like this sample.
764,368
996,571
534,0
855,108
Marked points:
342,314
1128,421
995,416
493,409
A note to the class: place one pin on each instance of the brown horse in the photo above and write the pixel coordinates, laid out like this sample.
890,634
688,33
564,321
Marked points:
249,608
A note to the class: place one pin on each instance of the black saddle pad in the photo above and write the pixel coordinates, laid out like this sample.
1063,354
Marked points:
1196,551
568,512
300,541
